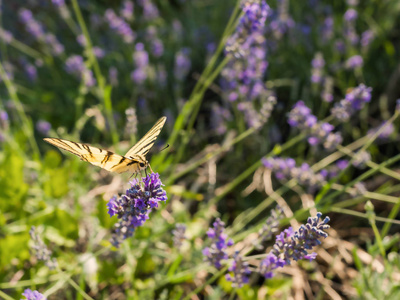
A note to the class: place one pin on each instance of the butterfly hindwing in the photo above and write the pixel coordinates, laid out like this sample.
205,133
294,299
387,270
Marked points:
147,141
96,156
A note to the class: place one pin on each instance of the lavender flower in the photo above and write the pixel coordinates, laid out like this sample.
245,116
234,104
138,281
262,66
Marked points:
33,295
386,133
31,71
150,11
350,15
354,62
354,101
75,65
41,251
270,227
6,36
327,28
134,207
318,64
366,38
182,64
131,122
361,158
281,21
319,132
240,271
219,243
43,127
219,116
120,26
157,47
286,169
327,92
34,27
127,10
269,264
113,76
55,46
349,30
295,245
252,21
179,235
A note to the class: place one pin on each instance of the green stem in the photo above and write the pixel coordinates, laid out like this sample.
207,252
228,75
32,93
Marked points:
104,93
26,122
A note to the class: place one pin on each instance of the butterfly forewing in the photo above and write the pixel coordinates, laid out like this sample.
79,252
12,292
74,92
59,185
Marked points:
147,141
133,161
96,156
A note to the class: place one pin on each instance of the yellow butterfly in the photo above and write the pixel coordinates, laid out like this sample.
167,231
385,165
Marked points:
134,160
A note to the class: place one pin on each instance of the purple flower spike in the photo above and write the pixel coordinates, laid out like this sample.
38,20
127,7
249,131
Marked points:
134,207
33,295
240,271
216,253
353,102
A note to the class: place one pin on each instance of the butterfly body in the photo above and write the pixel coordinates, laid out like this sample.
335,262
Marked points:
133,161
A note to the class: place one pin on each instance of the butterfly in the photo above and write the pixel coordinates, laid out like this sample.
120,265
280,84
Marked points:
134,160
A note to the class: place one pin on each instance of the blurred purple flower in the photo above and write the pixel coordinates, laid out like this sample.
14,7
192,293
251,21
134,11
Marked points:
327,29
58,3
240,271
43,127
40,250
55,46
219,243
252,21
354,62
179,235
6,36
318,132
157,47
139,76
317,64
113,76
134,207
127,10
31,71
74,64
327,93
31,25
150,11
354,101
81,40
98,52
140,56
360,159
350,15
342,164
219,117
33,295
120,26
386,133
271,225
182,64
366,38
285,169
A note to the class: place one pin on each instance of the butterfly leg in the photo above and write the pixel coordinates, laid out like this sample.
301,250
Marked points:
151,170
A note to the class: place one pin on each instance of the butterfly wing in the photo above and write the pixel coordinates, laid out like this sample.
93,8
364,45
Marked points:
147,141
102,158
